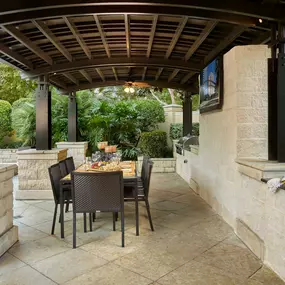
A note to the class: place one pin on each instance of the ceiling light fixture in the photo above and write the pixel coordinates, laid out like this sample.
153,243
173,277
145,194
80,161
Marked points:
260,21
129,88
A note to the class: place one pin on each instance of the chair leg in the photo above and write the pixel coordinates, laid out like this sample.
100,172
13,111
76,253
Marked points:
54,218
94,216
148,213
123,227
74,230
114,221
62,198
84,222
67,206
90,221
117,216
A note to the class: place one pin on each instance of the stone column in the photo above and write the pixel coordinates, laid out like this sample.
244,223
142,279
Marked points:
75,149
34,181
8,232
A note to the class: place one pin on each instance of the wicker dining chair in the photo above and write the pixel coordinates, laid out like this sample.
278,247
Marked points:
70,164
93,192
143,189
55,177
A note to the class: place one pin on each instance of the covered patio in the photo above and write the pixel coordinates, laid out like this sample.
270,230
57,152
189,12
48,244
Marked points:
191,245
76,46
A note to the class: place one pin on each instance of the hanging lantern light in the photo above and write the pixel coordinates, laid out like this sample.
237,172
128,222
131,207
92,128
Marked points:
127,90
132,90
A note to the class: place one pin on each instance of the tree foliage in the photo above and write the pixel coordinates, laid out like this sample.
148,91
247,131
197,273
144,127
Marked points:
12,86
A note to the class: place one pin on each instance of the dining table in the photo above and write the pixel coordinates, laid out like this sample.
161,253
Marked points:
130,179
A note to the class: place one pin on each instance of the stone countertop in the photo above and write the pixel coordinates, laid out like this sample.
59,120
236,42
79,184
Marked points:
6,166
33,151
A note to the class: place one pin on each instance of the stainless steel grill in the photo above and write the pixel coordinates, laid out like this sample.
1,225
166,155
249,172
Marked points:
185,142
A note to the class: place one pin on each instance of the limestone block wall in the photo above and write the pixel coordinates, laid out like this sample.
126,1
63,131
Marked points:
8,155
75,149
34,181
239,130
160,165
8,232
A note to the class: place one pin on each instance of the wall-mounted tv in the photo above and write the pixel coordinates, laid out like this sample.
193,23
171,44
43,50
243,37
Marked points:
211,86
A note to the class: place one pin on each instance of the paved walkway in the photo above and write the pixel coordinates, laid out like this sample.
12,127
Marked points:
191,245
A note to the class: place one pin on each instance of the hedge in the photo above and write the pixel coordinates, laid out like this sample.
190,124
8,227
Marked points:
5,118
153,144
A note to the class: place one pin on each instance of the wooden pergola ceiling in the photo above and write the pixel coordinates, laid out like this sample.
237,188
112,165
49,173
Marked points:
101,43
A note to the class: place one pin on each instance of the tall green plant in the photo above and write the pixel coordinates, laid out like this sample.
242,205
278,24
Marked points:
24,122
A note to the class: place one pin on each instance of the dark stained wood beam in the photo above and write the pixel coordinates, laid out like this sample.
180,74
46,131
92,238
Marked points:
158,74
120,62
57,83
86,75
15,56
52,38
102,35
172,75
100,74
128,39
144,73
71,78
115,73
235,11
262,39
152,33
78,37
206,31
176,36
235,33
187,77
27,43
160,84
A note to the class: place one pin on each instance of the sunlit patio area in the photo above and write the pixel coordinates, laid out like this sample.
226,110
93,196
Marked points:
191,244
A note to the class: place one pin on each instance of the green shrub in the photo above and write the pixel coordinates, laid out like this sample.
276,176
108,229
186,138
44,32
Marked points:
15,144
149,114
195,129
5,119
176,131
153,144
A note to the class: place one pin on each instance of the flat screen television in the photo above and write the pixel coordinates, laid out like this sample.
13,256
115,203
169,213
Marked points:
211,86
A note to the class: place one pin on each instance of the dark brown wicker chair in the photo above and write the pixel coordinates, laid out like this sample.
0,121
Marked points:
55,177
70,164
143,188
93,192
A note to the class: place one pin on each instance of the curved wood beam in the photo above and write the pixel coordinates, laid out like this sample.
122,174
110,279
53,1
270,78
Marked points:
235,11
117,62
160,84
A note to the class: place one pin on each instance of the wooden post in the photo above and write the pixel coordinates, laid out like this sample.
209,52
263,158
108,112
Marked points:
43,114
72,118
187,114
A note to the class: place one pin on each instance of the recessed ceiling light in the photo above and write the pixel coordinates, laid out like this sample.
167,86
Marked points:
260,21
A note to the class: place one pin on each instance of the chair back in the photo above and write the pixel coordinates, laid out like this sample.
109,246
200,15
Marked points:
97,191
146,178
55,176
146,159
69,164
63,168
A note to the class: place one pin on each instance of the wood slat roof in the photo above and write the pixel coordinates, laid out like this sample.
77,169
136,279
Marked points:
99,43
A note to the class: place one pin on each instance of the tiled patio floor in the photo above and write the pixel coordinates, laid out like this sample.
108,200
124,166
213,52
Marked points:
190,245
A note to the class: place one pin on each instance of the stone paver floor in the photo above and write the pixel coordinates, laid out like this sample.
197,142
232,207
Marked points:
191,245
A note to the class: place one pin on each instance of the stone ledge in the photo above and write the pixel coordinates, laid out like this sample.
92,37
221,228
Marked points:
7,166
8,239
33,195
258,169
33,154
